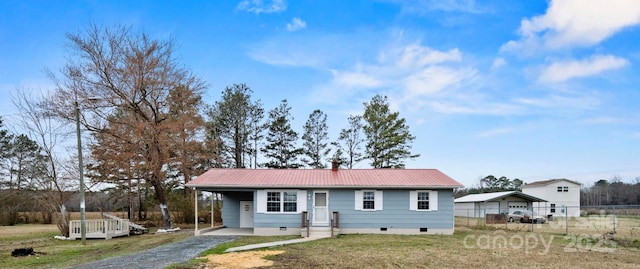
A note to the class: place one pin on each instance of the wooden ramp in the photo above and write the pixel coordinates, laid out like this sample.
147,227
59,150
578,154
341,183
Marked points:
134,228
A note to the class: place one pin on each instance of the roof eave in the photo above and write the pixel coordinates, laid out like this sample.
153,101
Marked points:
205,186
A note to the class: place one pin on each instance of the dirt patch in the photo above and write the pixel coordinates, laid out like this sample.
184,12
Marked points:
241,260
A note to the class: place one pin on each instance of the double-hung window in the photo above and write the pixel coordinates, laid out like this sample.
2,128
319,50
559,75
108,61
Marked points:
368,200
290,201
281,201
273,201
423,200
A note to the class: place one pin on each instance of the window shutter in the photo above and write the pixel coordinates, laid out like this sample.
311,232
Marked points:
413,200
302,201
378,205
358,199
433,200
262,201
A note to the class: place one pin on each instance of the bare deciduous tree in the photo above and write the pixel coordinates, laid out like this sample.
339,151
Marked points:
128,73
54,186
349,142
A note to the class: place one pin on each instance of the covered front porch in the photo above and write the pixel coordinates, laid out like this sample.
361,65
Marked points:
234,222
244,212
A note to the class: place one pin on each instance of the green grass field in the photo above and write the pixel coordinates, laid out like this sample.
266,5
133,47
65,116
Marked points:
60,254
487,247
467,248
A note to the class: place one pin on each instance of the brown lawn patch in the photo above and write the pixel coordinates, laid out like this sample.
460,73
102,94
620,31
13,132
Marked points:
241,260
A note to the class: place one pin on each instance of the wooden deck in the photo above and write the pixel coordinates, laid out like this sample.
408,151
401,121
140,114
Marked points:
100,228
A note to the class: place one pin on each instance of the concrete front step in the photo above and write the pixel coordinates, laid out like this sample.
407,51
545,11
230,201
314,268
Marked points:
319,232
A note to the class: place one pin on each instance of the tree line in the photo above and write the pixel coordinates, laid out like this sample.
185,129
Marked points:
602,193
491,183
611,192
150,131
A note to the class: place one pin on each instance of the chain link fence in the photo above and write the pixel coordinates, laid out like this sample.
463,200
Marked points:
603,221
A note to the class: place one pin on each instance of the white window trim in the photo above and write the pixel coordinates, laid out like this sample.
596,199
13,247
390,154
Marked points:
301,201
433,200
378,200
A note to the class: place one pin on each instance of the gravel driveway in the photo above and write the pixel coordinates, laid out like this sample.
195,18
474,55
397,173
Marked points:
162,256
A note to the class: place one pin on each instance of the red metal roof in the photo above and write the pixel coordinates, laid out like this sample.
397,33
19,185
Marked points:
323,178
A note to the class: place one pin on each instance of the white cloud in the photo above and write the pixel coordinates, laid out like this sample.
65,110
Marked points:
355,79
414,69
433,79
558,102
602,120
496,132
478,106
416,78
260,6
318,51
569,23
416,56
562,71
412,6
286,54
498,62
296,24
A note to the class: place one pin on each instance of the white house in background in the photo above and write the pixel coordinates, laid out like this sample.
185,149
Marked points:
478,205
561,194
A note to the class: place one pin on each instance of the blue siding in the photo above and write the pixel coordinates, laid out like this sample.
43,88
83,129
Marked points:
231,207
395,213
275,220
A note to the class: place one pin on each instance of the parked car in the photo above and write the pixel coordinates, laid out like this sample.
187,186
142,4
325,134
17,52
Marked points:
525,216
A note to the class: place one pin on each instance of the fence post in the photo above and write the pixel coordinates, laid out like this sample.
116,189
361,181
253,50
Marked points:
533,220
468,218
566,220
614,219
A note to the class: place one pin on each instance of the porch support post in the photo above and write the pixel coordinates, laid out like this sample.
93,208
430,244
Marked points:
195,192
213,219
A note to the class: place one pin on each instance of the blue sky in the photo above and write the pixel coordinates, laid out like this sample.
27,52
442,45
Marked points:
523,89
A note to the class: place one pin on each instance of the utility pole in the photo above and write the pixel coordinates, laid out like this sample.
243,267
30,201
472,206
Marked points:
83,227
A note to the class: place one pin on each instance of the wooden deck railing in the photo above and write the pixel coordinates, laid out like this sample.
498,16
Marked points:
335,221
99,228
305,221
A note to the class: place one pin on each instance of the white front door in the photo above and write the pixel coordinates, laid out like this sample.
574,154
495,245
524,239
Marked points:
320,208
246,214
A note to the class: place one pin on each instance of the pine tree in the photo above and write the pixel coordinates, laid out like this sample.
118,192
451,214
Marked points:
388,141
5,148
315,139
235,119
281,139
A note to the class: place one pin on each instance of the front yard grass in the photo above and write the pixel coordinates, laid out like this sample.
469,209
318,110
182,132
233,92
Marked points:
60,254
467,248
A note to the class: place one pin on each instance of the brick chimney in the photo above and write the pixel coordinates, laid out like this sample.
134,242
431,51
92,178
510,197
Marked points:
335,165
